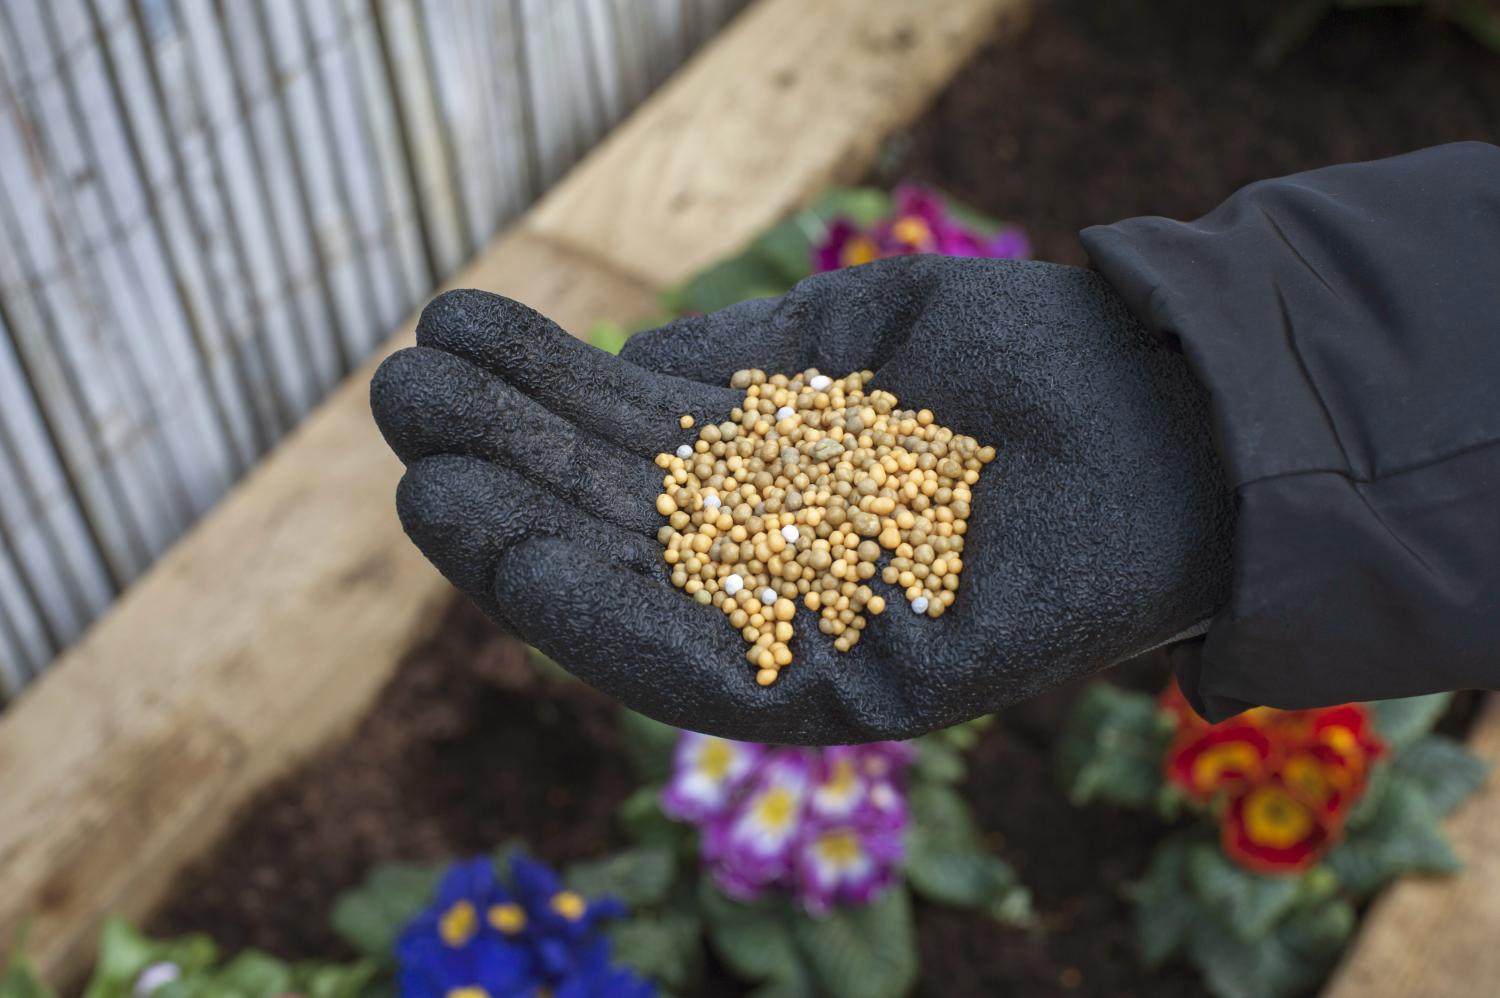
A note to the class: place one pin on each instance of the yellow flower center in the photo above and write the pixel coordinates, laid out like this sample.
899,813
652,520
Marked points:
841,782
458,924
912,231
1275,818
508,918
1212,763
467,993
860,249
1308,775
715,759
776,807
569,904
840,848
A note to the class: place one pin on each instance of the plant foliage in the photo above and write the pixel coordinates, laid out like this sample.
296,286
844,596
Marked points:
1254,932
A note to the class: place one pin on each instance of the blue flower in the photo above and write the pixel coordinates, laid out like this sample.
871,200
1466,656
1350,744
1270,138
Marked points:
478,939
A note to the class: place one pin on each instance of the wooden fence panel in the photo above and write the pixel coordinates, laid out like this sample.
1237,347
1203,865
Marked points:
212,210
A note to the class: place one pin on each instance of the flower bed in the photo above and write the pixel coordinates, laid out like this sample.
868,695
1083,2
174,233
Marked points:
436,771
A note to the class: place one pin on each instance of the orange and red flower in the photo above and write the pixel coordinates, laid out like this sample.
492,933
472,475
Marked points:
1280,781
1208,761
1273,828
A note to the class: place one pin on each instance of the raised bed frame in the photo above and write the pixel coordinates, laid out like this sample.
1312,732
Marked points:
265,633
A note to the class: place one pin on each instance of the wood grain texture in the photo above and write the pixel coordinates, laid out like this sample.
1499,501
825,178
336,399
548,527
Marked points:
1437,937
798,98
261,636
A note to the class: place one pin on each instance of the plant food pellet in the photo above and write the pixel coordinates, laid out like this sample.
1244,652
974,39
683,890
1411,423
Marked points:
807,491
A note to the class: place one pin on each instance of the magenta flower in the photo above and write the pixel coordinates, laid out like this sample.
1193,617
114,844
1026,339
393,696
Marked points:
920,222
706,771
751,846
825,826
846,864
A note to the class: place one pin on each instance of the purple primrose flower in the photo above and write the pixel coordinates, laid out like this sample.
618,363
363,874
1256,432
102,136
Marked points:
826,826
920,222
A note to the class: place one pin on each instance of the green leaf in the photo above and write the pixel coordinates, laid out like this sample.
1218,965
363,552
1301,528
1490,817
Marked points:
371,916
1164,902
124,953
966,735
608,336
1249,903
869,951
547,668
1286,962
1446,771
1317,933
352,980
253,974
1112,748
968,880
1292,25
938,760
1401,722
778,258
755,940
1403,835
1480,21
647,823
941,820
638,877
666,948
649,744
21,981
1370,801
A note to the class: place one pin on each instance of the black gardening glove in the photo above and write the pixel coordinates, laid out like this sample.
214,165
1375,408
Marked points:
1101,529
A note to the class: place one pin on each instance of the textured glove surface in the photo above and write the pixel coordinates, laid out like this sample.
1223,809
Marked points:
1100,530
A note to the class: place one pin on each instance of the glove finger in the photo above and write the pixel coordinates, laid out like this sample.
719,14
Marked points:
429,402
626,405
465,514
843,321
632,635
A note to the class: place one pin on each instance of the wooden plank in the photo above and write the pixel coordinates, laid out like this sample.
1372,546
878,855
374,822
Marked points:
1436,936
259,637
267,630
795,97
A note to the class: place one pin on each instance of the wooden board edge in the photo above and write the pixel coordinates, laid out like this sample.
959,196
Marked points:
1436,935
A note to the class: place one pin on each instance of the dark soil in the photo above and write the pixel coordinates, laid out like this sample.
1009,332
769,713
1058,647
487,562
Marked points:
469,746
1106,110
1153,107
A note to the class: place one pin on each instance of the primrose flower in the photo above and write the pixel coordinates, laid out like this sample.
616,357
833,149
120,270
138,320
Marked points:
1280,782
482,939
846,864
1270,828
706,771
920,222
752,845
1212,759
825,826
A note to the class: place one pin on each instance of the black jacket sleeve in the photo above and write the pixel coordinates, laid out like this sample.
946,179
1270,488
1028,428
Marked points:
1346,322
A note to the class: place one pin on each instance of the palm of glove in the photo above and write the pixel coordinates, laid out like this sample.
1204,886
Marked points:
1099,531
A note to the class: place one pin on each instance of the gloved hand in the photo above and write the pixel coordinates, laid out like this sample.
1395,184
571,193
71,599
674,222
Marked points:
1100,530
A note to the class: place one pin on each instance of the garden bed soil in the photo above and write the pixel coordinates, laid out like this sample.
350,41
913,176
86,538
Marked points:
1104,111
